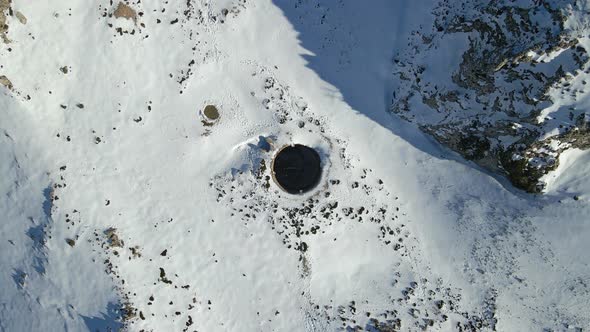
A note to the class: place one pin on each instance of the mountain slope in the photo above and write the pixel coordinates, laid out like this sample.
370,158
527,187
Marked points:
124,206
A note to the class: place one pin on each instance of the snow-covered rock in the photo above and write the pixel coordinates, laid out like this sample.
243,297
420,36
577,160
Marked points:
502,63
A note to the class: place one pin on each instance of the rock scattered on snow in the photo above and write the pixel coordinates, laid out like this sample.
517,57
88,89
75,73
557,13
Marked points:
113,238
21,18
6,82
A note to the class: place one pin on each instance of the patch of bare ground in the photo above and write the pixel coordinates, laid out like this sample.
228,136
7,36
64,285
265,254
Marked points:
125,11
6,82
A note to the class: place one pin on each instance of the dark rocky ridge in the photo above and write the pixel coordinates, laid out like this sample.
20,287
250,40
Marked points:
500,88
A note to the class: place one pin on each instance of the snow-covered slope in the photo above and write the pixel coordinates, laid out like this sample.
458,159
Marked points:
124,207
510,75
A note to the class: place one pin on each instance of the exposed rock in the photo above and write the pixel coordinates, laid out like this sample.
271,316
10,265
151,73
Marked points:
135,252
489,107
21,18
125,11
6,82
4,8
113,238
128,312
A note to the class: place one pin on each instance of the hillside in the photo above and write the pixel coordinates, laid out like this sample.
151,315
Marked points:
136,153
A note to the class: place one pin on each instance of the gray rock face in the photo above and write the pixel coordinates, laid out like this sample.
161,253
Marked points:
507,99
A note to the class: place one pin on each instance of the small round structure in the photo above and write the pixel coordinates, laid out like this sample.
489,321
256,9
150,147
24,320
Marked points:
211,112
297,168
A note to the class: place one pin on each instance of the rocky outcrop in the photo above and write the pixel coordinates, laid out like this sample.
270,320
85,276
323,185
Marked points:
509,103
4,10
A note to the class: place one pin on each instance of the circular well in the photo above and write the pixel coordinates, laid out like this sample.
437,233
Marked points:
297,168
211,112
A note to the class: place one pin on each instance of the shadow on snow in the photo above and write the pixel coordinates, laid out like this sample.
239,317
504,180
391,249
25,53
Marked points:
353,45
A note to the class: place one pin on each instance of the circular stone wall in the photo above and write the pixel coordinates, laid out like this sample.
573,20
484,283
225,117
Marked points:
297,168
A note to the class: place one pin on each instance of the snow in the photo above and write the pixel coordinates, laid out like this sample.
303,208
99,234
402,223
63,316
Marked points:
136,157
564,179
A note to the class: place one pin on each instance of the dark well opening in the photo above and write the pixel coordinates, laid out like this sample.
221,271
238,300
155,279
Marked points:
211,112
297,168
